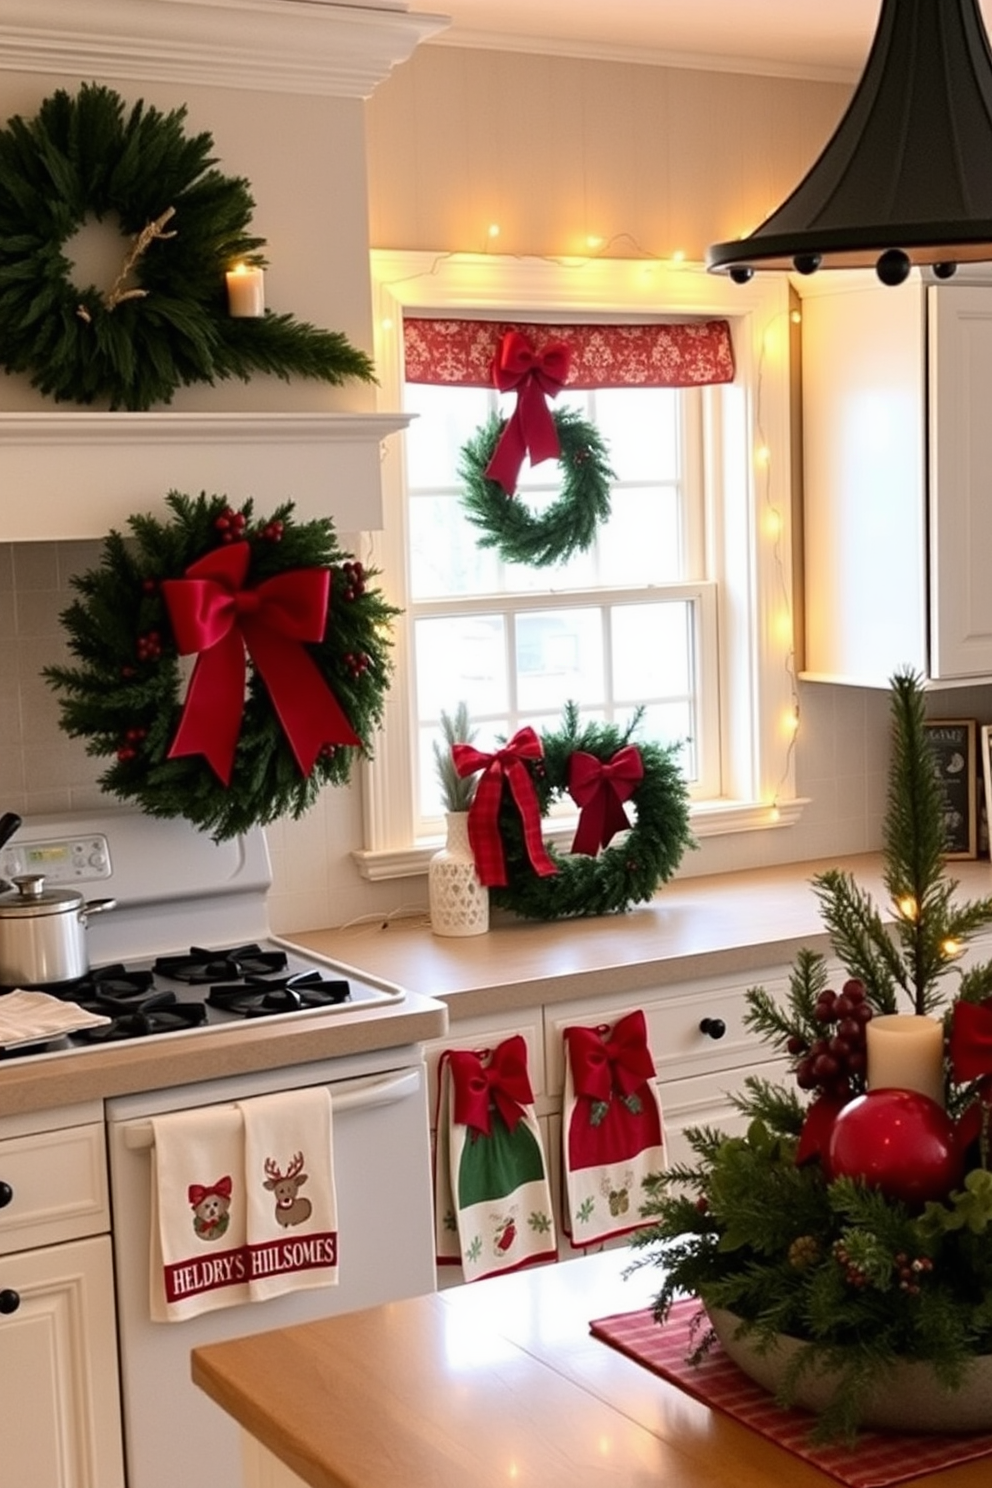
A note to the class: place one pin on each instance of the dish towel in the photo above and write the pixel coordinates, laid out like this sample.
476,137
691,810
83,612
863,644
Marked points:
292,1224
198,1215
492,1198
612,1128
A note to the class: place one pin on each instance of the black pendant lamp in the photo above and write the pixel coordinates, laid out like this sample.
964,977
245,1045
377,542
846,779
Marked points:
906,178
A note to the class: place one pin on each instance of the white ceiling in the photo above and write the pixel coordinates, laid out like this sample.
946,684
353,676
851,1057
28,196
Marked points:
807,38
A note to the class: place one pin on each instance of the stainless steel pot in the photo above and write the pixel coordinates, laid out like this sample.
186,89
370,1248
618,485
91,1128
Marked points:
43,933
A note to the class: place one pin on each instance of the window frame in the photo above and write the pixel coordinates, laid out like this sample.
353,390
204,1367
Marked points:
749,516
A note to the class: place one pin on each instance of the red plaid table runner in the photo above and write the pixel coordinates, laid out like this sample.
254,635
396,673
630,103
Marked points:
880,1458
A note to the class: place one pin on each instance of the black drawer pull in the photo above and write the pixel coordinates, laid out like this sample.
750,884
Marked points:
10,1300
715,1028
6,1194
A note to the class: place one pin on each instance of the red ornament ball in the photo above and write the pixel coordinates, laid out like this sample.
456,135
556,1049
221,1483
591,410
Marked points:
899,1142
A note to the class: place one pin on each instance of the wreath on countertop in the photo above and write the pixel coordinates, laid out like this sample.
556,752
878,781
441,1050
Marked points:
164,323
252,740
569,524
598,766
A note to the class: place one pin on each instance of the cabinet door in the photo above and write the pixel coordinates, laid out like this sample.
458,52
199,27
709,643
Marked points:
58,1369
960,337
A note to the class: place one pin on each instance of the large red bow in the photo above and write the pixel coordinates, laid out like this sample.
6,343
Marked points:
214,617
530,430
598,790
483,817
503,1082
971,1059
602,1061
196,1193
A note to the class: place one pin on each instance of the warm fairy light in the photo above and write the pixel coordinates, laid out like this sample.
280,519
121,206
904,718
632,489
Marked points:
772,523
387,323
796,316
593,242
790,721
783,627
678,256
774,813
493,230
763,456
951,947
907,907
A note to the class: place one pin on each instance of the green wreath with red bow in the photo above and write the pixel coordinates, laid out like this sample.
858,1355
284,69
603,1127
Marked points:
229,666
604,773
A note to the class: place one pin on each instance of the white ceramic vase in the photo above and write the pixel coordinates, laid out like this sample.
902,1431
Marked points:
459,903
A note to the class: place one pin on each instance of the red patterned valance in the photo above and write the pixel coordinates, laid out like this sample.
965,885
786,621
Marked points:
459,353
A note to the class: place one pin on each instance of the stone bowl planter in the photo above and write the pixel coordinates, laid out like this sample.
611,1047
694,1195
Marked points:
905,1398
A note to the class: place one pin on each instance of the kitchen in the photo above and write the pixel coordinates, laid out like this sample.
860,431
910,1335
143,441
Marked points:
423,196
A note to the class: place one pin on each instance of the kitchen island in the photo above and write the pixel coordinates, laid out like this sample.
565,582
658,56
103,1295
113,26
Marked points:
499,1382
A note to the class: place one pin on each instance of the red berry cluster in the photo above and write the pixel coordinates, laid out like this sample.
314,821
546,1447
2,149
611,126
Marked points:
831,1062
354,579
855,1276
150,646
357,662
272,531
231,525
911,1271
128,750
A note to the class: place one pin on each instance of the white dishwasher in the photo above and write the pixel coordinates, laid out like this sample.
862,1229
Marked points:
381,1158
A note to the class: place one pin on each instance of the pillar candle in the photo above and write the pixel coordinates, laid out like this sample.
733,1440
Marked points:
246,291
906,1052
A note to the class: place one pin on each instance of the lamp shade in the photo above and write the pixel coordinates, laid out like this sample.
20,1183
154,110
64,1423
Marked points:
906,178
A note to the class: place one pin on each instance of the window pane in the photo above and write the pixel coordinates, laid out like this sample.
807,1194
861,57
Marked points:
652,651
445,558
641,543
461,658
641,427
446,418
559,657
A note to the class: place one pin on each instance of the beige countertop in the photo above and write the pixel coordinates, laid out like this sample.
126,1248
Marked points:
722,925
39,1082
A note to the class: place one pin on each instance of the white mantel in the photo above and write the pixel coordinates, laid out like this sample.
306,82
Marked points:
280,86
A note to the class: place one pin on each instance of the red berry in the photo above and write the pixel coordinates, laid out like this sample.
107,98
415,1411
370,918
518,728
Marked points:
795,1045
854,990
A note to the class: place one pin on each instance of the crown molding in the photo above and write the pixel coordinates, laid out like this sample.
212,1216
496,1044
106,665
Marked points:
317,47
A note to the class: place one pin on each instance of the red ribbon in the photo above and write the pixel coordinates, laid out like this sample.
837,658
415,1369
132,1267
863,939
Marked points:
598,790
215,617
970,1047
602,1062
503,1083
196,1193
507,764
530,430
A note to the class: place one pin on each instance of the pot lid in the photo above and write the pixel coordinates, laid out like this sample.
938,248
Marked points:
30,897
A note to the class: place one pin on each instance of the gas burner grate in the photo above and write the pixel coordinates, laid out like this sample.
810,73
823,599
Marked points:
160,1014
198,967
257,997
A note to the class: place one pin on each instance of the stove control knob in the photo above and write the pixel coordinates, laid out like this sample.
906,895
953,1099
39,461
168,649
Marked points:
6,1194
10,1300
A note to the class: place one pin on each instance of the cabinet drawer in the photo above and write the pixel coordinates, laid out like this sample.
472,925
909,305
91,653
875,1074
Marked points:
693,1029
58,1183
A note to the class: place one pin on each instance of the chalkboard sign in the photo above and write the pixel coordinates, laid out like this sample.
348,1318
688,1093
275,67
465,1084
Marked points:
956,764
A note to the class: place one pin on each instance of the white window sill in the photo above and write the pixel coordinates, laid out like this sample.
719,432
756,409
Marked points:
707,819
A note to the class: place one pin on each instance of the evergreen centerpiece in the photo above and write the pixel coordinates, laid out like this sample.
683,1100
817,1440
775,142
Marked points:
459,903
856,1220
456,790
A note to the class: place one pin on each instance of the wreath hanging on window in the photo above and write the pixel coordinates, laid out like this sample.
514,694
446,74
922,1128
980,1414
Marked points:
291,642
601,769
570,523
164,322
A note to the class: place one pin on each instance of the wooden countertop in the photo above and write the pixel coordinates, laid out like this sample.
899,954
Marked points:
40,1082
725,924
491,1383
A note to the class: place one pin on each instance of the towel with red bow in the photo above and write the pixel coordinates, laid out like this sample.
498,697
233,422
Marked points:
492,1198
612,1128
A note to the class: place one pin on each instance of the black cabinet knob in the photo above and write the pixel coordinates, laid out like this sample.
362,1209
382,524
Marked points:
6,1194
714,1028
10,1300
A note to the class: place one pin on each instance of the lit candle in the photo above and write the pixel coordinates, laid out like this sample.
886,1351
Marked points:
906,1052
246,291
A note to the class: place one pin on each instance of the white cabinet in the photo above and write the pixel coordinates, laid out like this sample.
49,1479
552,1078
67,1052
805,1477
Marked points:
58,1348
897,443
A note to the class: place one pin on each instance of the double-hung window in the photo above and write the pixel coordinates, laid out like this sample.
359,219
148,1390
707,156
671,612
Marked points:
679,610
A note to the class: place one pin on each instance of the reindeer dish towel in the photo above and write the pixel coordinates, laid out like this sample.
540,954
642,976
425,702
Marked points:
292,1227
612,1128
198,1234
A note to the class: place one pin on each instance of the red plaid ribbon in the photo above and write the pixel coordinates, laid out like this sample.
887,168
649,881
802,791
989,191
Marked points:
599,789
507,764
531,429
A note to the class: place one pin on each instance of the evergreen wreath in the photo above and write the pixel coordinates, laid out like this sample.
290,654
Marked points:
124,696
628,871
570,522
164,323
759,1226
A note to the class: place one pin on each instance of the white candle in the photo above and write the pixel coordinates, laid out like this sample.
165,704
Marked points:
246,291
906,1052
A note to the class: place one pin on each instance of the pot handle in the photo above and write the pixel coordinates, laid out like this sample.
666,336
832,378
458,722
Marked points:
96,906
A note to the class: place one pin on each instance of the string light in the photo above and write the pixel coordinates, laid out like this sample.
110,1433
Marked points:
907,908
